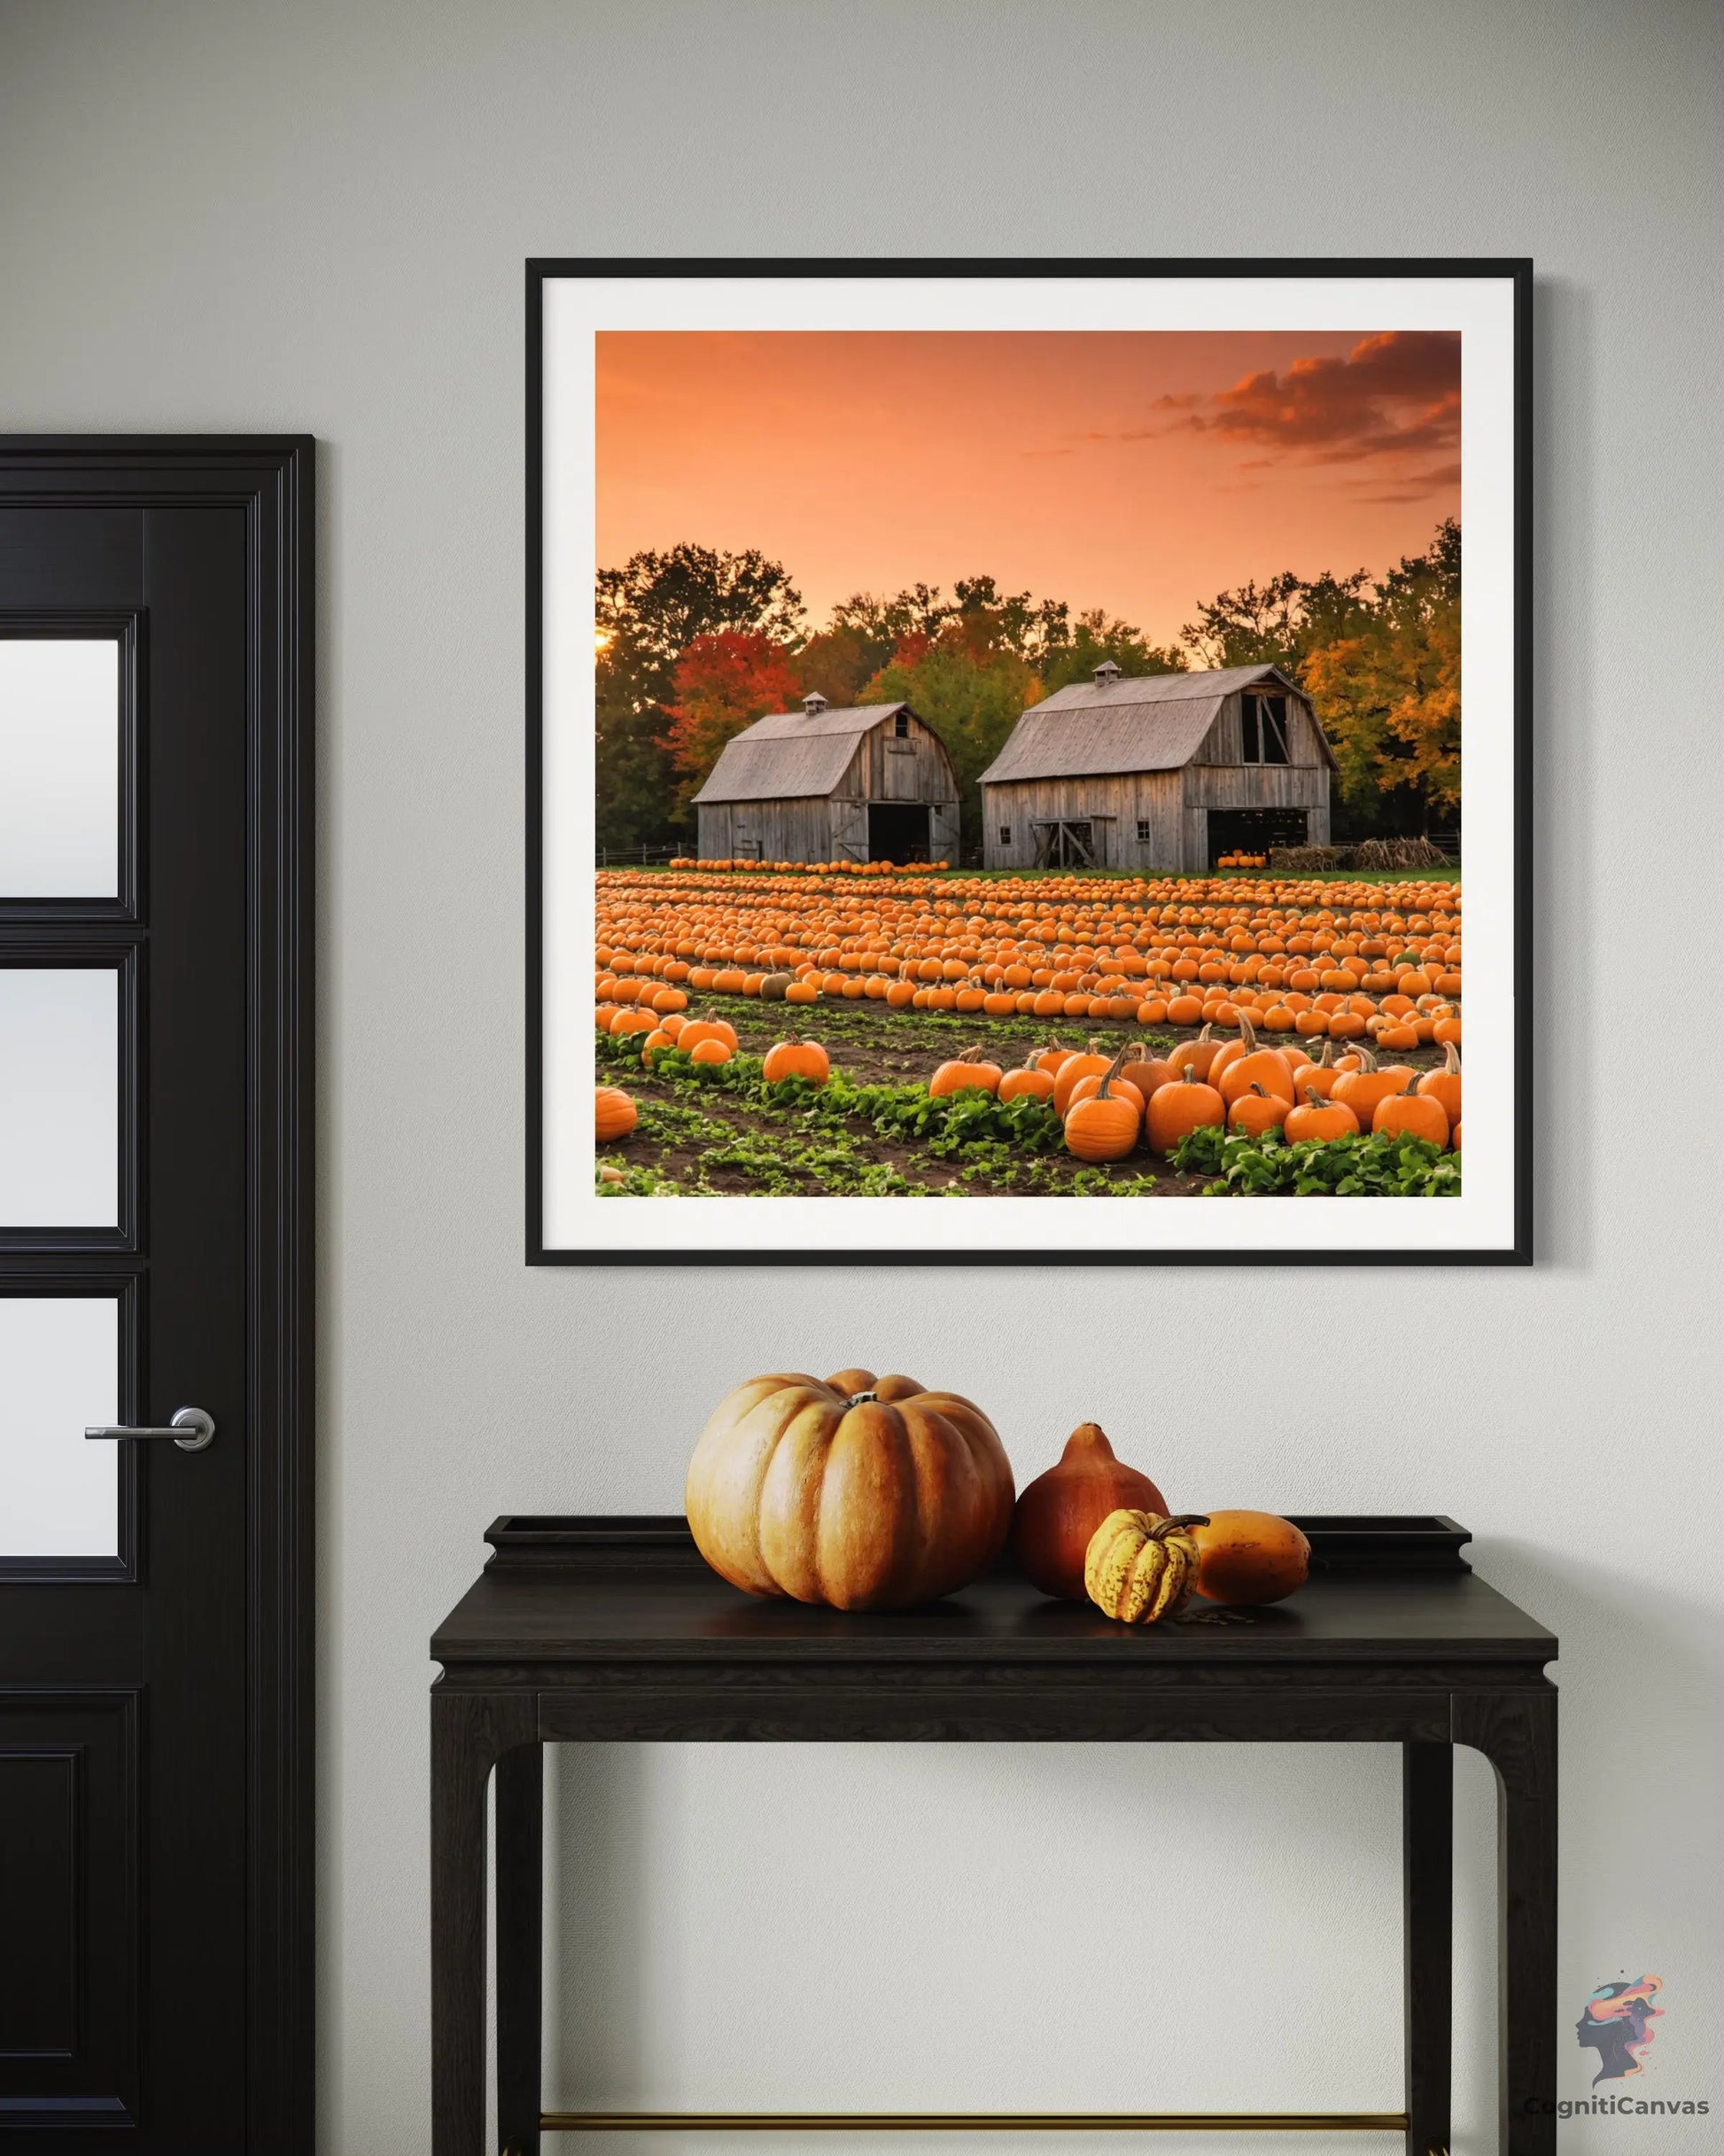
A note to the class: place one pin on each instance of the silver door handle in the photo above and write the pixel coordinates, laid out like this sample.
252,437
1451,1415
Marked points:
192,1429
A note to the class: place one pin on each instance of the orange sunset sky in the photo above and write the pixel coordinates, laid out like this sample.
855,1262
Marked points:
1141,471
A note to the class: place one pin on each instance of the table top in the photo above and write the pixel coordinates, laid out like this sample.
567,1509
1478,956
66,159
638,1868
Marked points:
615,1591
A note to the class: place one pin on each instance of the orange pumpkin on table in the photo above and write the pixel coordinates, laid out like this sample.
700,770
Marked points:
860,1492
1249,1557
1059,1512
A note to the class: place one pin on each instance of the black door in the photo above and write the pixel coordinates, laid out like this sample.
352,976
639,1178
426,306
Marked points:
154,856
897,831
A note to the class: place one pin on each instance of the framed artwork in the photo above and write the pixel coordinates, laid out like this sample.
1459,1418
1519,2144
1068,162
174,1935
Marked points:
1004,739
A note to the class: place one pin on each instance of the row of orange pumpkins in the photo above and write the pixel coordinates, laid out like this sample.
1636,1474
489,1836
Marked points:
1107,1105
867,1493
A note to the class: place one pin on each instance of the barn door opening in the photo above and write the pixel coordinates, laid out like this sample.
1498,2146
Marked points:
1068,844
1255,832
898,832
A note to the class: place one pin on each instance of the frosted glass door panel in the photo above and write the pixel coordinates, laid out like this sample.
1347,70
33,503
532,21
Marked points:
60,1362
60,1097
59,767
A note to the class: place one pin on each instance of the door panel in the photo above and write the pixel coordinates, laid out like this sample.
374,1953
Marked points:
61,752
68,1881
154,1255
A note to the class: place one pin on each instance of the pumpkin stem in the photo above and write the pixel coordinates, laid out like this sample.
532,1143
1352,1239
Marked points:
1249,1032
1162,1529
1451,1059
860,1400
1108,1075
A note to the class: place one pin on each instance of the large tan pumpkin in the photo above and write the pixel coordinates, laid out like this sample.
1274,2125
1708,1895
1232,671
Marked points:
860,1493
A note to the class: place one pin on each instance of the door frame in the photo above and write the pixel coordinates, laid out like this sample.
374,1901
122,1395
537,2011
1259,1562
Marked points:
271,478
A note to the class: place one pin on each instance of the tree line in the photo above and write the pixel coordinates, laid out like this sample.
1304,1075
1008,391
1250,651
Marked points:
694,644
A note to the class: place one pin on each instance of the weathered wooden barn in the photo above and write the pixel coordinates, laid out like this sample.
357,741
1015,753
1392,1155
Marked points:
874,783
1161,772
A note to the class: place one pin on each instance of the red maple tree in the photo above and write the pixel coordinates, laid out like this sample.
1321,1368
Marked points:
724,682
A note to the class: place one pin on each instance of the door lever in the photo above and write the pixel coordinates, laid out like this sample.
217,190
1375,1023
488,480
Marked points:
192,1429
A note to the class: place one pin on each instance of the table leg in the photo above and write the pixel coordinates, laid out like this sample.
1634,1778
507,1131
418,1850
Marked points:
520,1947
1428,1843
469,1732
1516,1732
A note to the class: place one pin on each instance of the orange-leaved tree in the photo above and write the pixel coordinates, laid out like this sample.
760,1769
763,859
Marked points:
1389,695
724,682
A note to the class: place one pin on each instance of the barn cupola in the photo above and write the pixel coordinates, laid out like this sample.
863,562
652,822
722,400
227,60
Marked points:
814,703
1105,673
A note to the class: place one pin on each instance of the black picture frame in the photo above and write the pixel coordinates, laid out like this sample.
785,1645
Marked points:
1517,271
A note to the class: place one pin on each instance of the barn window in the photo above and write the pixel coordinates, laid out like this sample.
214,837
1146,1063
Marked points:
1143,830
1006,834
901,726
1263,729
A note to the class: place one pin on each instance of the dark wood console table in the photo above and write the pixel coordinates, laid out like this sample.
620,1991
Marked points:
608,1628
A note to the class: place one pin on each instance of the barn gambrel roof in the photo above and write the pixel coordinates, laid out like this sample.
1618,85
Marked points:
1139,723
791,756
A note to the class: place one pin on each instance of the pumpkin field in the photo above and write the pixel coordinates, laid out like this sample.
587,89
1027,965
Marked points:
840,1030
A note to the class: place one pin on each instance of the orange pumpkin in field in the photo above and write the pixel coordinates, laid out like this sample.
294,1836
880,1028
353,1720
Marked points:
970,1072
1249,1557
1090,1063
793,1058
1037,1083
615,1113
1179,1108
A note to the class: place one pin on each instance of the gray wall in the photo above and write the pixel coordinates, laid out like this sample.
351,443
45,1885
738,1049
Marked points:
280,215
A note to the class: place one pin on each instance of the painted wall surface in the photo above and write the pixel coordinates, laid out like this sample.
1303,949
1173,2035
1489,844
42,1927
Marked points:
255,214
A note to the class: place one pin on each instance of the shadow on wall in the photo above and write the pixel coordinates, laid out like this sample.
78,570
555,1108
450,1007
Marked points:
597,1857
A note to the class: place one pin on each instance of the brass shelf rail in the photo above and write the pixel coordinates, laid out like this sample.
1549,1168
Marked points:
975,2122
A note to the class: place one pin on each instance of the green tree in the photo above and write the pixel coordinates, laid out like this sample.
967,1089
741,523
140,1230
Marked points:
1277,622
662,602
647,613
1094,639
970,689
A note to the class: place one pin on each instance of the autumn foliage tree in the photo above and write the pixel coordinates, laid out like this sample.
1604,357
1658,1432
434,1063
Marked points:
696,643
1388,694
724,682
1382,665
